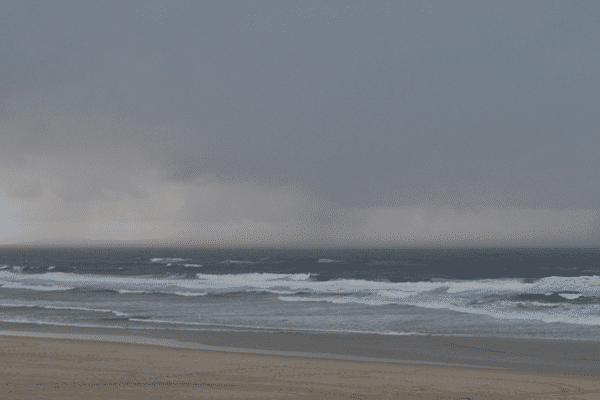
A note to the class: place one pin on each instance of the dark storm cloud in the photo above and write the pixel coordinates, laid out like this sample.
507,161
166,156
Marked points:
42,47
455,105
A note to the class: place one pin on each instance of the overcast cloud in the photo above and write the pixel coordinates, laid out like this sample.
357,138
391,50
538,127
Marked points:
300,123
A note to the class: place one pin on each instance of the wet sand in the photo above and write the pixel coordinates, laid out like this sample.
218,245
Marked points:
67,362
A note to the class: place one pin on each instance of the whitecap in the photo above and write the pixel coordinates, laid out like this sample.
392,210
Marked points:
125,291
167,260
570,296
187,294
17,285
236,262
50,307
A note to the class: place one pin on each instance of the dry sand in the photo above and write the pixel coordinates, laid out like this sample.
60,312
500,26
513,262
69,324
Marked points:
53,368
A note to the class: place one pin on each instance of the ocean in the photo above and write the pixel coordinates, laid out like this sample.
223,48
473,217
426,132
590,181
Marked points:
506,293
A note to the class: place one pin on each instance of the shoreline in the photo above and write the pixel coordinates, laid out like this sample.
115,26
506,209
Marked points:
176,344
556,356
35,367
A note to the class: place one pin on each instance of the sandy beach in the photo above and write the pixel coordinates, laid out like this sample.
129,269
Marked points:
101,366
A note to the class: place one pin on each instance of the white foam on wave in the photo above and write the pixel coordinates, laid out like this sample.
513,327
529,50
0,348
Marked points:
254,278
371,301
237,262
473,297
234,282
537,304
549,315
125,291
17,285
587,285
50,307
570,296
487,285
192,265
326,260
464,296
167,260
187,294
583,285
60,279
502,310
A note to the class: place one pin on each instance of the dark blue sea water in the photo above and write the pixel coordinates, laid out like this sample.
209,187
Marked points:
539,293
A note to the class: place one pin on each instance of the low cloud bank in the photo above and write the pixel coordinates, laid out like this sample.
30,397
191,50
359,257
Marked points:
206,212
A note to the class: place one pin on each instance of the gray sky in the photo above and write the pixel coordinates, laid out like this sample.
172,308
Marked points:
300,123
